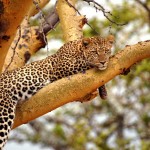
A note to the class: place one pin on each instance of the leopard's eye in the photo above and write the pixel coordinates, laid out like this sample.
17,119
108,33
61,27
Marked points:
107,51
86,42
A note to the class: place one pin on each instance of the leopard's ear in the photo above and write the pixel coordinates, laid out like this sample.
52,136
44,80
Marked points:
111,39
85,42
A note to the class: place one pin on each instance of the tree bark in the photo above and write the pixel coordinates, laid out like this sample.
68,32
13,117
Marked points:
71,23
78,86
29,40
12,13
26,43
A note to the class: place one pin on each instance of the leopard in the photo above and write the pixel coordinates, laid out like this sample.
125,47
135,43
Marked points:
73,57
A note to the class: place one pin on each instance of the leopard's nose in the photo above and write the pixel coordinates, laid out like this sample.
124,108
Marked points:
102,62
102,65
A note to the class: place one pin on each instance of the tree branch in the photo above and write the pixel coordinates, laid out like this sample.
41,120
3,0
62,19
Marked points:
78,86
51,21
10,18
70,22
145,6
33,10
28,40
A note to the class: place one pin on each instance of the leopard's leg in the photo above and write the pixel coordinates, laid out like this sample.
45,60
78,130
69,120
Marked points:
102,92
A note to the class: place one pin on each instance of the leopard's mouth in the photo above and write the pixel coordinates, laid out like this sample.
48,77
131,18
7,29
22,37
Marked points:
102,67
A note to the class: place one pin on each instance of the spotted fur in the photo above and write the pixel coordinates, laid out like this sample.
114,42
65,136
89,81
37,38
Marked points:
22,83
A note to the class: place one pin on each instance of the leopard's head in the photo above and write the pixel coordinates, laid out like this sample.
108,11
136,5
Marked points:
97,51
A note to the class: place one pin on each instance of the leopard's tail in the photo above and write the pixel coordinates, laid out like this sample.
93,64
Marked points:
7,115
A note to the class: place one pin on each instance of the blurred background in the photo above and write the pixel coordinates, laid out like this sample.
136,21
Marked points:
122,122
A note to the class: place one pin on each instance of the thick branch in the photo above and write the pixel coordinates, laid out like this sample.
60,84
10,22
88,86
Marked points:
28,41
70,22
11,16
78,86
